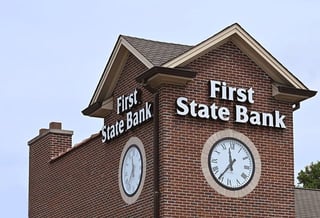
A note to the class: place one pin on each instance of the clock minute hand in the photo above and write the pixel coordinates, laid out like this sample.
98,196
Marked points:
132,169
229,166
230,160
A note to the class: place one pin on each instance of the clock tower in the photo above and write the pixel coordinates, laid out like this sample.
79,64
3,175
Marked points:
188,131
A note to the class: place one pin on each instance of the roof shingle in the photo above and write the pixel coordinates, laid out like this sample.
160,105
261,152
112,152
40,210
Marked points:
156,52
307,203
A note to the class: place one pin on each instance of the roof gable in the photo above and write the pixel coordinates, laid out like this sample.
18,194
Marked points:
169,55
150,53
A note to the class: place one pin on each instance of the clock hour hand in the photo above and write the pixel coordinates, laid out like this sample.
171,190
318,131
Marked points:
229,166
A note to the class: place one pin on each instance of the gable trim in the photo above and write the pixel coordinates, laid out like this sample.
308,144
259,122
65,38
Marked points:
249,46
113,68
136,53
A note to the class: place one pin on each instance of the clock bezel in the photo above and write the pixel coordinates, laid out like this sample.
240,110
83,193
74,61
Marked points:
130,199
234,193
213,175
124,157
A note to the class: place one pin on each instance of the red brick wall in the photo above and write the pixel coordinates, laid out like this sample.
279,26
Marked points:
184,189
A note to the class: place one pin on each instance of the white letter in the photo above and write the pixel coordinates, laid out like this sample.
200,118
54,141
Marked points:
224,91
121,125
104,134
213,108
203,111
148,109
129,120
250,95
241,93
279,120
241,114
182,104
267,118
214,88
118,105
231,91
224,113
255,118
135,97
193,109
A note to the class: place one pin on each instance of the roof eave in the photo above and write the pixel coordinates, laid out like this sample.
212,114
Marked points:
290,94
99,109
155,77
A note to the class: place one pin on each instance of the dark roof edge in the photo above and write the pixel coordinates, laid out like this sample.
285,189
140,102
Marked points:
295,91
91,108
143,78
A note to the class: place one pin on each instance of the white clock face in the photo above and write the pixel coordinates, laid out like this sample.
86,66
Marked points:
231,163
131,170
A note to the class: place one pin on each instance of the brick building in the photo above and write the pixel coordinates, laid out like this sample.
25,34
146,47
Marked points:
189,131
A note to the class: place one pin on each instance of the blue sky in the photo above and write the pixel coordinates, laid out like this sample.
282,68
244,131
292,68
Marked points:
52,54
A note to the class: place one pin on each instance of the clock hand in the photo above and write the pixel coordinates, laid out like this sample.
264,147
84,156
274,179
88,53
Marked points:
229,166
132,169
230,160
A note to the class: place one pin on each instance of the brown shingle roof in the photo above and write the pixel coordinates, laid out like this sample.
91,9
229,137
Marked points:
156,52
307,203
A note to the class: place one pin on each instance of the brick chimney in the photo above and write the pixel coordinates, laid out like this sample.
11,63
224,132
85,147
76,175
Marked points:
55,140
47,145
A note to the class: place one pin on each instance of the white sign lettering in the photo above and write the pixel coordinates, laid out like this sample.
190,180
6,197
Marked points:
220,90
126,103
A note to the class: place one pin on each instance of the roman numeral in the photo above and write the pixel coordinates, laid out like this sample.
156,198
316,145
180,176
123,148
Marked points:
228,182
246,167
221,178
245,158
224,146
244,176
214,161
232,143
215,169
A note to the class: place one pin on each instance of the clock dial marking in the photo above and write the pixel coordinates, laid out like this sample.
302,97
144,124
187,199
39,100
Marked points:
244,176
232,144
223,146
